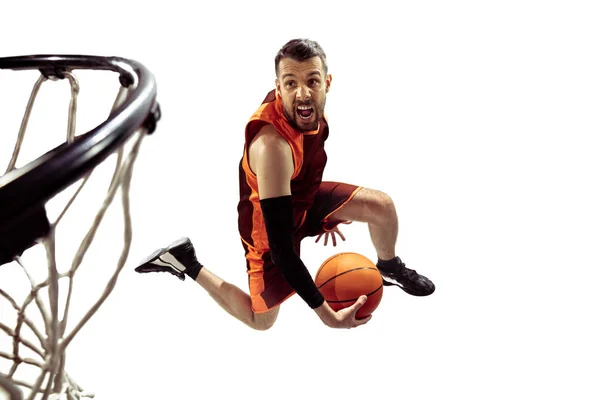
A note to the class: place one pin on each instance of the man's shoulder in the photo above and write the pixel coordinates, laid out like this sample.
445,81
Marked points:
268,144
268,136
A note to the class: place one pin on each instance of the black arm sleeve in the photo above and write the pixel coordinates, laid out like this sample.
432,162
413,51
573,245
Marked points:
279,221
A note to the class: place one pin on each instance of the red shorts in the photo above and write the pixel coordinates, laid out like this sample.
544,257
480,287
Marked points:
268,287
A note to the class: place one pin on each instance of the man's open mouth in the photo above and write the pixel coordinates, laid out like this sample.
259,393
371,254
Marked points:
305,112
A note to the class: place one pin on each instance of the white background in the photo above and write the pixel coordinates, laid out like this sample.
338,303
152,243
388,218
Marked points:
480,119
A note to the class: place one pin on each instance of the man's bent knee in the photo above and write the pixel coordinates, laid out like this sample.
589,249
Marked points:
379,205
368,205
264,321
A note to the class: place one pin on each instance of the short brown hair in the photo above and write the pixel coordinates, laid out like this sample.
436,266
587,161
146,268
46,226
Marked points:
300,50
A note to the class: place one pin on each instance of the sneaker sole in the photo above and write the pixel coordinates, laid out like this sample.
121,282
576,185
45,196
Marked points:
387,282
165,250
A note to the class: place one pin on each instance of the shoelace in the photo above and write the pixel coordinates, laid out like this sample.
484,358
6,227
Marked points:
411,274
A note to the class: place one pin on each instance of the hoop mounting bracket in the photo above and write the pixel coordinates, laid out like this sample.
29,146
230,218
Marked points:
152,119
53,72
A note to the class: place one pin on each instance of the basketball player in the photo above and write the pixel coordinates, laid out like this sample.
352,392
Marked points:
283,200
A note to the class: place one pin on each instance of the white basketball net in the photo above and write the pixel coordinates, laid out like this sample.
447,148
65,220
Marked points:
51,337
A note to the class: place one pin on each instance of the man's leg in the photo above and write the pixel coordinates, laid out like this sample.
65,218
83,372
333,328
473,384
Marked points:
180,260
378,211
235,301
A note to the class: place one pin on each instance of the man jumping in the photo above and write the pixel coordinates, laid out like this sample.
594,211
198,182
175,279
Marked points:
284,200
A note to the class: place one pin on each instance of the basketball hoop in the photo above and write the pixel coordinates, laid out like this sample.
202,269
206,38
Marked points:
24,222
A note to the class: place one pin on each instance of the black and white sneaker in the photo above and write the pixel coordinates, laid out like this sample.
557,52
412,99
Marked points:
406,279
175,259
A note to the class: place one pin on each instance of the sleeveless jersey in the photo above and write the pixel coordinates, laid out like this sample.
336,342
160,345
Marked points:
309,158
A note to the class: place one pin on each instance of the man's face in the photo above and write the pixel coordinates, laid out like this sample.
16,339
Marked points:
303,87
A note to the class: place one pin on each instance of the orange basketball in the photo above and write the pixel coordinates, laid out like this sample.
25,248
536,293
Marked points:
344,277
